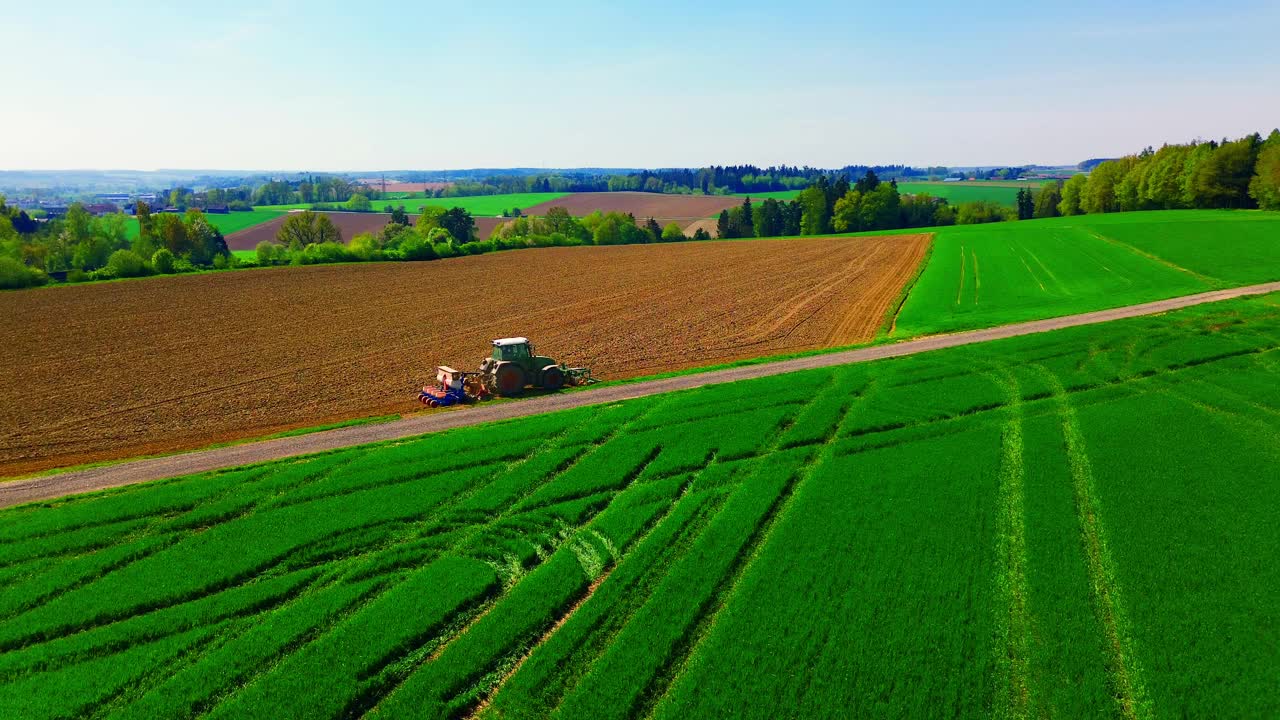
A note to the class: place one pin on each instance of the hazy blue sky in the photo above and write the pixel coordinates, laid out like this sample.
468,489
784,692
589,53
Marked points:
362,85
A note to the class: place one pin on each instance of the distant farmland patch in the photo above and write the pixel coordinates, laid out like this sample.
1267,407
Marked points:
1004,193
962,192
245,354
686,208
227,223
479,206
402,187
351,224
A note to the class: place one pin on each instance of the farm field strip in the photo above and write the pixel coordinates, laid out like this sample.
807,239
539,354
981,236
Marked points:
955,193
641,204
349,224
478,205
907,523
228,223
986,275
960,192
358,340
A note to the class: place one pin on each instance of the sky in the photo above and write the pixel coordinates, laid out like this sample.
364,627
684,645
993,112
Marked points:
318,86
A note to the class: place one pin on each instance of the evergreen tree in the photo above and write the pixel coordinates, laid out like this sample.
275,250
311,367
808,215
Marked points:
868,182
746,221
654,230
792,216
722,225
1026,204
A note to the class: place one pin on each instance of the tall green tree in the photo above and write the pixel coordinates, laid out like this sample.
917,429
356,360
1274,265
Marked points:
1221,180
816,218
1264,187
1047,200
768,218
429,218
746,220
461,225
1026,204
359,203
1099,194
1072,192
305,228
847,215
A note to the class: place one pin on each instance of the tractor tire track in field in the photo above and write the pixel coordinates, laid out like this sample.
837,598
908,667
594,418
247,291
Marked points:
419,655
699,521
1125,668
18,492
1208,281
675,667
1013,622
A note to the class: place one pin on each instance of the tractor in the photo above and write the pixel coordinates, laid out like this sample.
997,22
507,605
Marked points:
514,366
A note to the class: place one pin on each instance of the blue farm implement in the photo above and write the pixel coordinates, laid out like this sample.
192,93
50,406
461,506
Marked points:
452,387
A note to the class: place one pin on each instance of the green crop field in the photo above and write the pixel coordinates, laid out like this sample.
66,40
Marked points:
985,275
480,206
958,192
228,223
1073,524
787,195
961,192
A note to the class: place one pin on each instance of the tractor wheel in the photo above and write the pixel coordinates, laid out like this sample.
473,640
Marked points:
552,377
509,380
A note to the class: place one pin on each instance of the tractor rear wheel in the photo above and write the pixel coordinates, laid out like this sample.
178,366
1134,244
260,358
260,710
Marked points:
509,379
552,377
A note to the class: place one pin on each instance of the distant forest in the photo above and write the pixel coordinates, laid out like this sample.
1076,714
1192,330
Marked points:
77,246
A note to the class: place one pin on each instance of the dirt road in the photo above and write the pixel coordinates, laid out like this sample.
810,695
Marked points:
53,486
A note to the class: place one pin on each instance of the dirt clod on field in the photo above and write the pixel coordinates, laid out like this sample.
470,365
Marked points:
123,369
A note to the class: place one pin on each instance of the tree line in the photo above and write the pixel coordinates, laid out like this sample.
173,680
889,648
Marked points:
309,238
834,205
1231,174
80,247
711,180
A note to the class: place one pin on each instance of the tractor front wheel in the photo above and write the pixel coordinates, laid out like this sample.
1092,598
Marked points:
510,380
552,377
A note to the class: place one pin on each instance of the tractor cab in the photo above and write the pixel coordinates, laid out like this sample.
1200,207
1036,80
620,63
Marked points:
514,349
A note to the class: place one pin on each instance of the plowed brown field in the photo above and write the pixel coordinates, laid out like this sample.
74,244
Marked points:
684,209
350,223
129,368
402,187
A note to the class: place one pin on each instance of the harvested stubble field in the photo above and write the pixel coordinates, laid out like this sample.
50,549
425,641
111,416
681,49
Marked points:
349,223
129,368
683,209
1074,524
